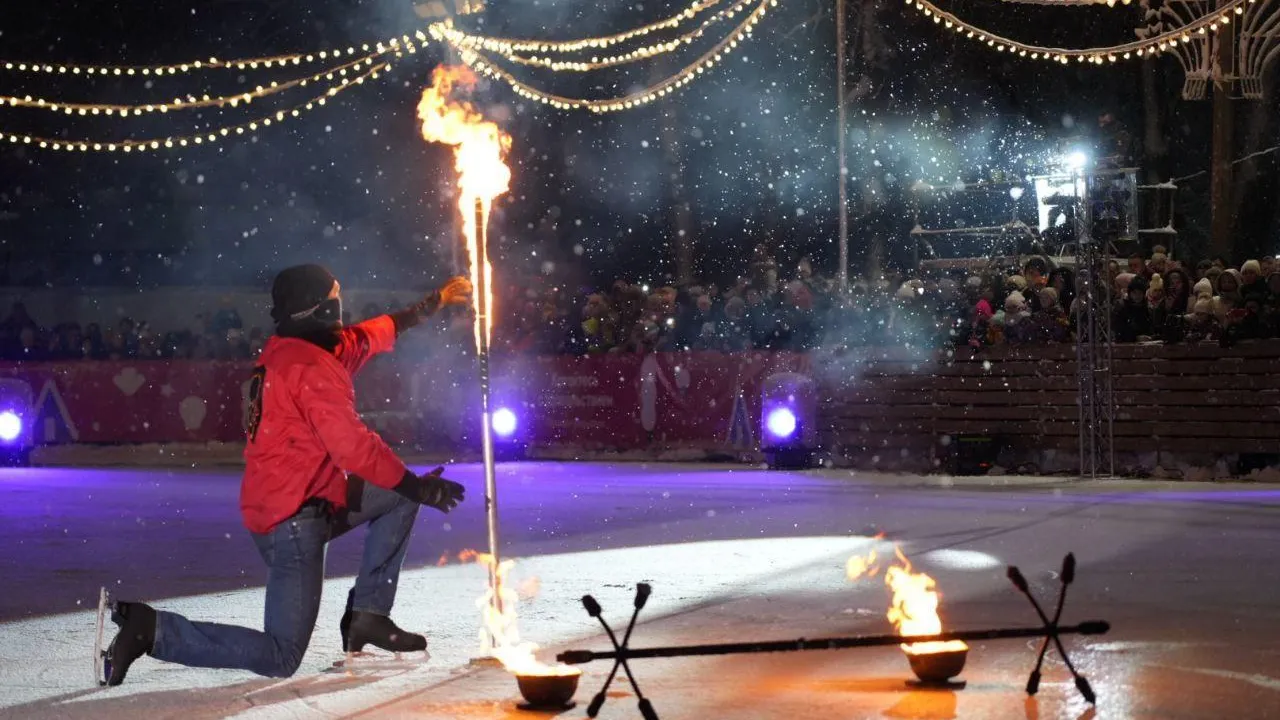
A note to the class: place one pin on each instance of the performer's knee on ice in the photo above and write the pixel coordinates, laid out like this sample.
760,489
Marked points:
288,660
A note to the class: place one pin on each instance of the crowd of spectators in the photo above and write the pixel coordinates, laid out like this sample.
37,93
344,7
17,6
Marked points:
1153,299
214,336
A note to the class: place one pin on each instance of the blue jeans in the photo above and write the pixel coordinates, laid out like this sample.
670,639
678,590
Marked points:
295,552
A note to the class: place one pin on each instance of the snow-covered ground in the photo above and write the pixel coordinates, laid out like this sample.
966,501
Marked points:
1185,573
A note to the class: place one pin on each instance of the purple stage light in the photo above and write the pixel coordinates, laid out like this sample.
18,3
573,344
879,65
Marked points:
781,423
10,426
504,422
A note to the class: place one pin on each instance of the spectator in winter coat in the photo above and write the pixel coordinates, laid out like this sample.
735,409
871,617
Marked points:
734,333
1202,288
1120,286
305,445
1202,324
1175,305
1212,275
29,346
1063,281
798,331
981,313
1159,264
1253,286
1050,323
1229,305
1132,317
1155,291
1036,271
1015,282
700,329
1017,325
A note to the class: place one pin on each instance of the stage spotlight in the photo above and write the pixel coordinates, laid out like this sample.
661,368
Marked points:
16,413
788,418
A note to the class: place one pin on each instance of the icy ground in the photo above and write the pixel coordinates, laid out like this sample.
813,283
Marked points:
1185,573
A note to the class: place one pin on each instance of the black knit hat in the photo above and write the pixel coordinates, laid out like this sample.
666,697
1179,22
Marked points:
299,289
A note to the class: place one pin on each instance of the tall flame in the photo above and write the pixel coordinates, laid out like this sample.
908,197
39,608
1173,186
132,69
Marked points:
479,147
914,608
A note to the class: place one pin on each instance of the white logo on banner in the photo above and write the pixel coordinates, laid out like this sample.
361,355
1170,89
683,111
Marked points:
192,409
50,392
129,380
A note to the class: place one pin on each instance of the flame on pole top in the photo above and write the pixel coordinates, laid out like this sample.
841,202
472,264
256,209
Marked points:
479,147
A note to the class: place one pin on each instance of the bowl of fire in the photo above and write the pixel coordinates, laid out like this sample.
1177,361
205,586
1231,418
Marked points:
552,689
936,663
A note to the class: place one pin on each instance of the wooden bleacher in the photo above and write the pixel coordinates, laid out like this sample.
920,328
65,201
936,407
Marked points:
1177,399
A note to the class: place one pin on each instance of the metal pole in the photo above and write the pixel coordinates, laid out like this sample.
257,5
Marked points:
579,657
1221,238
483,311
840,141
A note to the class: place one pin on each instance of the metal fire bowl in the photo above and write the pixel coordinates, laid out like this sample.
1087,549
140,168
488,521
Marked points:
938,668
548,691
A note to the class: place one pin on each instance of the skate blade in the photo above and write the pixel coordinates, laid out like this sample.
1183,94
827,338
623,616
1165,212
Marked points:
101,659
363,661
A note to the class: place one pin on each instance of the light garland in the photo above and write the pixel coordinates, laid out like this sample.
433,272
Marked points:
1210,22
190,103
213,63
201,138
460,39
1069,3
507,45
632,100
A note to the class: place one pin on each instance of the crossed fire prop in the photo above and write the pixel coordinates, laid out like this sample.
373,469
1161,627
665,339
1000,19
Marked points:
933,664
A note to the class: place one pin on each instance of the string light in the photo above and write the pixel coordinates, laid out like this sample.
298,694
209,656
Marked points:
1069,3
190,103
641,97
508,45
1097,55
395,44
458,38
201,138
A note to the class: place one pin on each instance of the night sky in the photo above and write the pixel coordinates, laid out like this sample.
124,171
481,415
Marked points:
352,184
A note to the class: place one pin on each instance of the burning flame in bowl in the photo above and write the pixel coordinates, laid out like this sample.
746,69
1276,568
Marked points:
500,632
914,608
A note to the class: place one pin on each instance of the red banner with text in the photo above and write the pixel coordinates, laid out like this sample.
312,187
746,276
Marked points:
622,402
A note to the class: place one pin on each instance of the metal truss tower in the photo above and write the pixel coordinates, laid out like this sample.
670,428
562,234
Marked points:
1093,342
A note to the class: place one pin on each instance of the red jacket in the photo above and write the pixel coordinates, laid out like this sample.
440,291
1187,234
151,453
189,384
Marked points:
304,434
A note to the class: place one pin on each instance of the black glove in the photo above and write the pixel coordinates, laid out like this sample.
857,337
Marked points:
432,490
412,315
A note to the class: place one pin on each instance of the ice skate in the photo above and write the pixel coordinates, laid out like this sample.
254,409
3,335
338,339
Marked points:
360,629
137,623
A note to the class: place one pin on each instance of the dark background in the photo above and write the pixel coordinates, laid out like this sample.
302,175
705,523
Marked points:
354,186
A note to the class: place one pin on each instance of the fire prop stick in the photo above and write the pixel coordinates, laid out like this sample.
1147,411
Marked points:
478,148
482,294
1051,631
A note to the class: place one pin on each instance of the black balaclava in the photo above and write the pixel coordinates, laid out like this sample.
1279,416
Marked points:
302,308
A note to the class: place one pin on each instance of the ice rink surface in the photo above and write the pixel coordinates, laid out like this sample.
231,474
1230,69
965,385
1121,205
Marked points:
1186,574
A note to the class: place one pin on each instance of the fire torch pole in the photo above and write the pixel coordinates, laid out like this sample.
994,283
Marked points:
481,291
